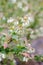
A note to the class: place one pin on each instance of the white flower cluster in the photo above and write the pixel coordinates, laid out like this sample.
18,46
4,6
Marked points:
27,20
24,8
25,59
2,56
19,4
10,20
12,1
30,49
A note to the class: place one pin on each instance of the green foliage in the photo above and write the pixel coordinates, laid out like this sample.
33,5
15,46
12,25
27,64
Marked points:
38,58
7,62
1,29
6,51
19,49
14,36
2,39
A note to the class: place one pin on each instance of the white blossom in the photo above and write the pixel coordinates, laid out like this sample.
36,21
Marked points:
29,45
11,30
10,20
41,29
27,20
25,9
31,18
25,59
0,59
31,50
4,18
16,23
25,24
13,1
14,61
19,5
32,32
3,56
32,36
37,30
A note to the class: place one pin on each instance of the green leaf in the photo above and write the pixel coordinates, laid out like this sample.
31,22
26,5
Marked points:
1,29
37,58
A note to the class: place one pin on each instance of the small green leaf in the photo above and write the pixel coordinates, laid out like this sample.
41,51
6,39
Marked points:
1,29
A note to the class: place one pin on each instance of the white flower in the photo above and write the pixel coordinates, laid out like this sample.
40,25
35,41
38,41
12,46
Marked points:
32,32
41,29
11,30
13,1
4,18
0,59
37,30
14,61
29,45
30,18
22,20
31,51
26,23
27,20
19,5
3,56
32,36
10,20
16,23
25,59
25,9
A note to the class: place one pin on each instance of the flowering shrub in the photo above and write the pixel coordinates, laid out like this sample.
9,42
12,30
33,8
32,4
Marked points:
19,24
